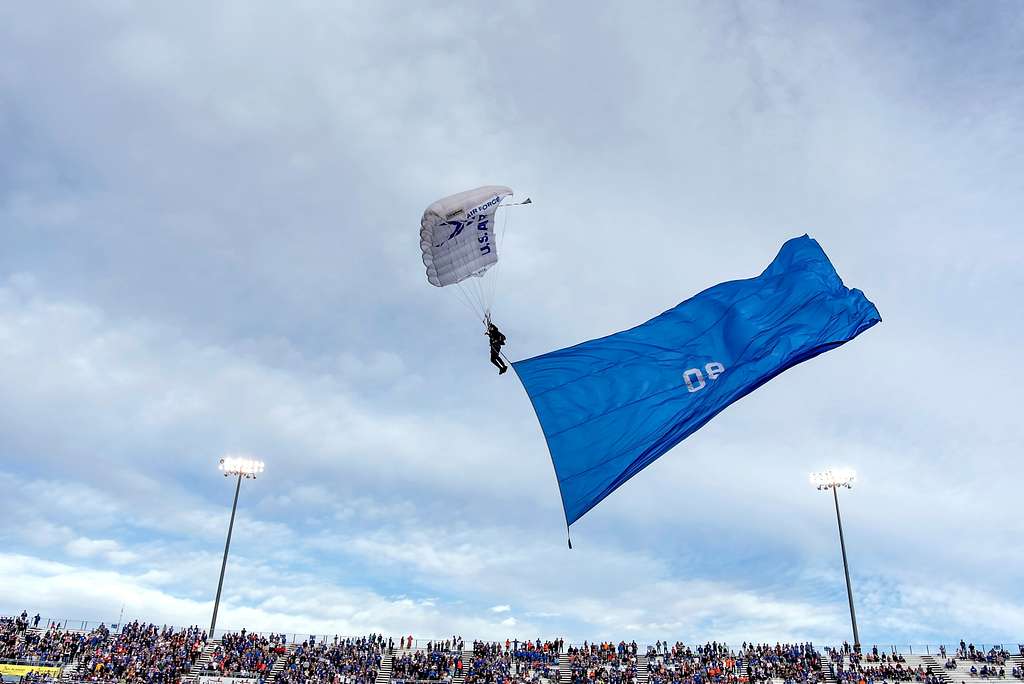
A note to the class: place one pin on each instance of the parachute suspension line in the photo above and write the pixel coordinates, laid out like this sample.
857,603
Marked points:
504,224
473,296
468,301
481,294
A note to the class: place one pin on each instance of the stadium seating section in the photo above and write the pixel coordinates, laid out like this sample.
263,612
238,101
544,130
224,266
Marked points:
139,653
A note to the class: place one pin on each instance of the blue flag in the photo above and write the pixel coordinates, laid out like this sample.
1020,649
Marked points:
611,406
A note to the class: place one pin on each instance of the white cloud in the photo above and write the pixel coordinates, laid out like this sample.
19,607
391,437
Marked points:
303,605
501,609
83,547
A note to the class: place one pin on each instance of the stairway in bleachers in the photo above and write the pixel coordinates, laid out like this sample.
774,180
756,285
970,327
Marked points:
828,667
280,662
467,658
828,673
202,661
930,662
745,669
72,672
643,671
386,664
564,673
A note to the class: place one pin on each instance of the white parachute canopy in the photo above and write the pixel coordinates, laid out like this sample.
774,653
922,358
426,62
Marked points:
457,236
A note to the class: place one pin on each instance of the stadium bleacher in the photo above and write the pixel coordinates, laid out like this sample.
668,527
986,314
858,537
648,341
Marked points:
140,653
22,642
681,664
782,662
512,662
245,654
605,663
438,662
354,661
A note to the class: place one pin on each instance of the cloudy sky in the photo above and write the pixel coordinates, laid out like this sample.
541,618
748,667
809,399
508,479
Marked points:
208,245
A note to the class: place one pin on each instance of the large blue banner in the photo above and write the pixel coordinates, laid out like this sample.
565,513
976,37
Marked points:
611,406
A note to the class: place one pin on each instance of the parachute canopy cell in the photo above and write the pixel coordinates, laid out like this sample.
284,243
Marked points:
457,234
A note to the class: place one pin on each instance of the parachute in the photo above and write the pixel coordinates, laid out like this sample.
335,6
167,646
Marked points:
459,243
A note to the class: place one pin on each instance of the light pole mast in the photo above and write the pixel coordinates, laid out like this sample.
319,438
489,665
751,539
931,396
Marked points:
240,467
834,479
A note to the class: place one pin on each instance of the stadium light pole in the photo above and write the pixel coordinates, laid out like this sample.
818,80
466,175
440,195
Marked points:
834,479
241,468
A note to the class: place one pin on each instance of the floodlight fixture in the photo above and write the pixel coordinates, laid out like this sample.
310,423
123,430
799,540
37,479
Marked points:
834,477
241,466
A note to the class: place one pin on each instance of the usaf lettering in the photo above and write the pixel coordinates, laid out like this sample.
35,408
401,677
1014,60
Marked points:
483,237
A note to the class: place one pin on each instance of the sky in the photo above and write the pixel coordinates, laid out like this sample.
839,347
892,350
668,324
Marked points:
209,221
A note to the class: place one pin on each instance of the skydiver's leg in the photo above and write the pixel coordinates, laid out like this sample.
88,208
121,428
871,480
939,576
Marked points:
498,363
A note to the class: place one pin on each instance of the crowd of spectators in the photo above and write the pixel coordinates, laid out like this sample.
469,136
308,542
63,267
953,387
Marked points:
10,635
876,656
992,661
792,663
604,663
344,661
142,653
514,662
490,664
712,663
438,663
536,661
997,655
880,667
886,672
21,644
247,654
987,671
139,653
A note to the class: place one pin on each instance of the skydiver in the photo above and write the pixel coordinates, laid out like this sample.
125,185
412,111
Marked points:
497,340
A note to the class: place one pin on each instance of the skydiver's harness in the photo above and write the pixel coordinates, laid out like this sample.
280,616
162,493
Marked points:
497,341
